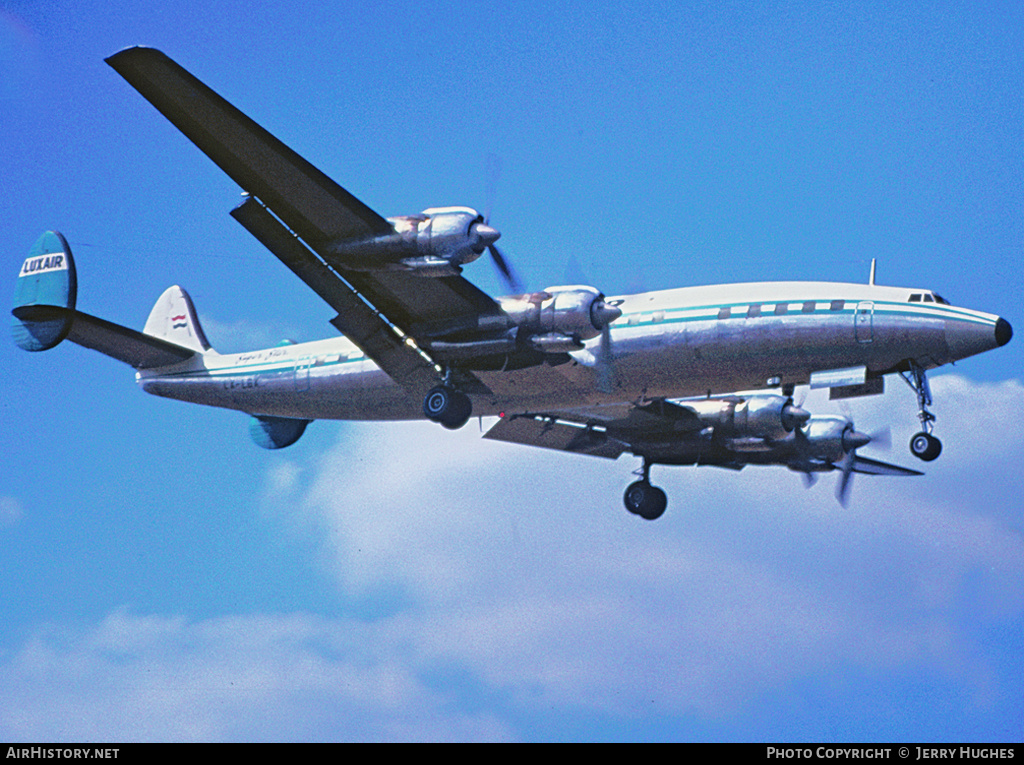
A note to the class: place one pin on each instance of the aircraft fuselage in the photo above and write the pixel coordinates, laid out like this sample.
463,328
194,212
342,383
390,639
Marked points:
667,344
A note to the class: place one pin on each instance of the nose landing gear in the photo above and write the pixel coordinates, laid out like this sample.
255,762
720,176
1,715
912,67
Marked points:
923,445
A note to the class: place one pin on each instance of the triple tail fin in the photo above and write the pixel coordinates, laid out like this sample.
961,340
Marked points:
45,314
174,319
47,281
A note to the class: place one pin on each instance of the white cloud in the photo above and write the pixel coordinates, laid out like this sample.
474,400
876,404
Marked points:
520,571
11,511
281,677
527,569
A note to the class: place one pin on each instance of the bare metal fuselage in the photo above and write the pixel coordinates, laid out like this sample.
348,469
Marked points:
667,344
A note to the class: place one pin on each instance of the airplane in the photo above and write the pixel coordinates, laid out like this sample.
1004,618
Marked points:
701,375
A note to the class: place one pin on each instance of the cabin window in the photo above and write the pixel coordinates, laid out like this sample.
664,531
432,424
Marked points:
754,311
725,312
836,305
808,307
658,316
781,309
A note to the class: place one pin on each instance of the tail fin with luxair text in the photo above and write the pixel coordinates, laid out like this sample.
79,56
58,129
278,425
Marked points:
45,314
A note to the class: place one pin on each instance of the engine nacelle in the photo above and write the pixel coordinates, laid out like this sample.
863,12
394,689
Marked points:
437,242
831,437
756,417
559,319
457,234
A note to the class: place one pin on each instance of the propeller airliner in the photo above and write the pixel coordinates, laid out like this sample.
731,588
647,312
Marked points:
693,376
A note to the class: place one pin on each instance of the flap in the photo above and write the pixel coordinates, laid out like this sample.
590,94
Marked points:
531,430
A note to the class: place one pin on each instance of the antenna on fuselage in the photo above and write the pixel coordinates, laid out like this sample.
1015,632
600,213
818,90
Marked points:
871,277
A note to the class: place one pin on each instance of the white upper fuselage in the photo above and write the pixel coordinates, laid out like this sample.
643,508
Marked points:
667,344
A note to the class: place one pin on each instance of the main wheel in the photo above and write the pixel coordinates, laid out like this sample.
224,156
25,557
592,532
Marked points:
649,502
925,446
450,407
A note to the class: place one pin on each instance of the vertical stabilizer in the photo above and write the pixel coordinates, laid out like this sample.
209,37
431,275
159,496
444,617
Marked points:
45,295
174,319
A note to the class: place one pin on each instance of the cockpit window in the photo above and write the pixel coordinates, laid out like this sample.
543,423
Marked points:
928,297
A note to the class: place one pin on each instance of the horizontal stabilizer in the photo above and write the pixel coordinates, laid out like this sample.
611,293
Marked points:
128,345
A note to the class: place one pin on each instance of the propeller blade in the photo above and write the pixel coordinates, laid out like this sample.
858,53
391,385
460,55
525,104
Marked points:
605,361
843,490
492,171
882,438
505,269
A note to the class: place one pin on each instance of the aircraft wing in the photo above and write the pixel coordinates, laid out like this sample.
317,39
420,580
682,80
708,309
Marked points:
600,431
309,202
377,309
664,431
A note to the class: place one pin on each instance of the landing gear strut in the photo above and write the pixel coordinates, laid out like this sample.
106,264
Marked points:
649,502
448,406
923,445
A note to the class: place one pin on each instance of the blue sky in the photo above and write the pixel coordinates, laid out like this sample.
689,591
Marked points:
162,578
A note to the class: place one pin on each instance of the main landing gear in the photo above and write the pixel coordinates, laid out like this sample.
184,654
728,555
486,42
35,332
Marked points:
643,499
448,406
923,445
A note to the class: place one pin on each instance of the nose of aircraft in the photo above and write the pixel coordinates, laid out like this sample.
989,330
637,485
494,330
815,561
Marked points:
1003,332
970,337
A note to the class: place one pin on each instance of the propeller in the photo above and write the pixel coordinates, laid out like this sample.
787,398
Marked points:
483,236
505,270
852,441
602,314
508,275
803,455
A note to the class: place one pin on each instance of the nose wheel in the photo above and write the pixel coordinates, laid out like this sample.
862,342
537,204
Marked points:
923,445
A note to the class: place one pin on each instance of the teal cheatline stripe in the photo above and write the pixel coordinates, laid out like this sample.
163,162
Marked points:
47,278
